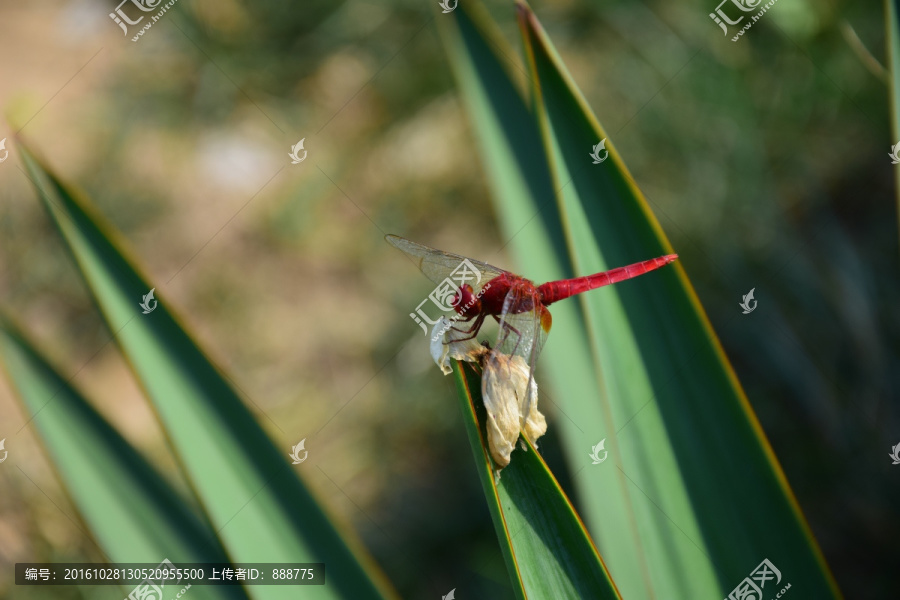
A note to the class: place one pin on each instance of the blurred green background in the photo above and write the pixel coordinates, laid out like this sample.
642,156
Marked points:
765,161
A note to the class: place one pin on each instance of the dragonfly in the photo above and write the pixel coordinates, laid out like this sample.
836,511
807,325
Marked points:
477,291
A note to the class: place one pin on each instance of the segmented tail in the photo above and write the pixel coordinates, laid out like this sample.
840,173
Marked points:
554,291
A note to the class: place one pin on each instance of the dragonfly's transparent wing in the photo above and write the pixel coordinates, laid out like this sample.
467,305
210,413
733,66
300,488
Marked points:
524,326
438,266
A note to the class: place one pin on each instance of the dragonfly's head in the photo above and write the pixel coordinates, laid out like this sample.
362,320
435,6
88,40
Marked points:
465,302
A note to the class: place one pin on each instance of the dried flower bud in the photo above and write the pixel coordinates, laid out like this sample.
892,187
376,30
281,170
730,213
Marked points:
504,388
509,392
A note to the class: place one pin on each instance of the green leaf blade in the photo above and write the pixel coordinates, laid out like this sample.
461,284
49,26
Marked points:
705,480
548,552
261,510
130,509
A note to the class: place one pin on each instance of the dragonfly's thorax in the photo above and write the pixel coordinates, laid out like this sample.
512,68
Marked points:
495,291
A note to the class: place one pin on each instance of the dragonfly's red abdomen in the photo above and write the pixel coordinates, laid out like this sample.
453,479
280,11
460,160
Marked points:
554,291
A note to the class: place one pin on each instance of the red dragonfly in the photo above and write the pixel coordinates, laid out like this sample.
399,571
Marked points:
517,304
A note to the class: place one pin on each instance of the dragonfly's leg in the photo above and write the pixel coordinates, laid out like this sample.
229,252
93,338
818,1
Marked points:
506,328
471,332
